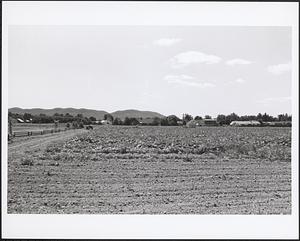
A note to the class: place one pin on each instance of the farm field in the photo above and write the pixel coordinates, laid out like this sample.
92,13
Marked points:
153,170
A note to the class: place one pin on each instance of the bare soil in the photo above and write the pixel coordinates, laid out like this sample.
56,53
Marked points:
153,170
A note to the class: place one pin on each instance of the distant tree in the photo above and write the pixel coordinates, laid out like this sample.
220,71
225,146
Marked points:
81,125
134,121
172,120
27,116
68,115
126,121
231,117
130,121
221,119
42,118
117,121
198,118
207,117
108,117
248,118
79,116
15,115
164,121
156,121
75,124
186,118
267,117
280,117
259,117
85,121
92,118
284,117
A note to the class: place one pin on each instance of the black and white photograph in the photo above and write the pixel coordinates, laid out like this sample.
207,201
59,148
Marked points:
109,116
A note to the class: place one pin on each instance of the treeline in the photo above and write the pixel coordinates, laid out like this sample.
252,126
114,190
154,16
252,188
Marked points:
42,118
171,120
227,119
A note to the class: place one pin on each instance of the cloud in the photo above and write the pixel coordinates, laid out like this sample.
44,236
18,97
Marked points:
182,76
187,81
166,42
240,80
279,68
275,100
193,57
233,62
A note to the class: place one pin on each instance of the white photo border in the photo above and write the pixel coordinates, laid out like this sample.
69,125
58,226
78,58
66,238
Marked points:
152,13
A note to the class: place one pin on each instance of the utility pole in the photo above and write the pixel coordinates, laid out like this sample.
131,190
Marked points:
56,124
10,134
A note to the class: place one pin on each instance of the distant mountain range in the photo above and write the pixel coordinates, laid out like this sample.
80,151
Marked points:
122,114
98,114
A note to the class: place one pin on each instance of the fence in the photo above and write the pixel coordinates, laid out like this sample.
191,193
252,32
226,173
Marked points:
37,132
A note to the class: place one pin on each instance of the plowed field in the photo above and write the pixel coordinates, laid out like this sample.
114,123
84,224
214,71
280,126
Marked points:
154,170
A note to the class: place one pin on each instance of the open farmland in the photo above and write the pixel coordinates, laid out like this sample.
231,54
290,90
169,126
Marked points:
154,170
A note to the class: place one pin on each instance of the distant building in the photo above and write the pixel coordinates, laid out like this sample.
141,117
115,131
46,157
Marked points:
20,120
245,123
278,123
192,123
106,122
96,122
203,122
210,122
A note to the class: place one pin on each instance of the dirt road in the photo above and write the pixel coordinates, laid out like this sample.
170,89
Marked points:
36,142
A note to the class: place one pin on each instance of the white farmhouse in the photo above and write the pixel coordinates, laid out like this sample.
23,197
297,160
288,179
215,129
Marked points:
106,122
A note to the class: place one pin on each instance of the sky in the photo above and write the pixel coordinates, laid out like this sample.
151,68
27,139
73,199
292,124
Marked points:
199,70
